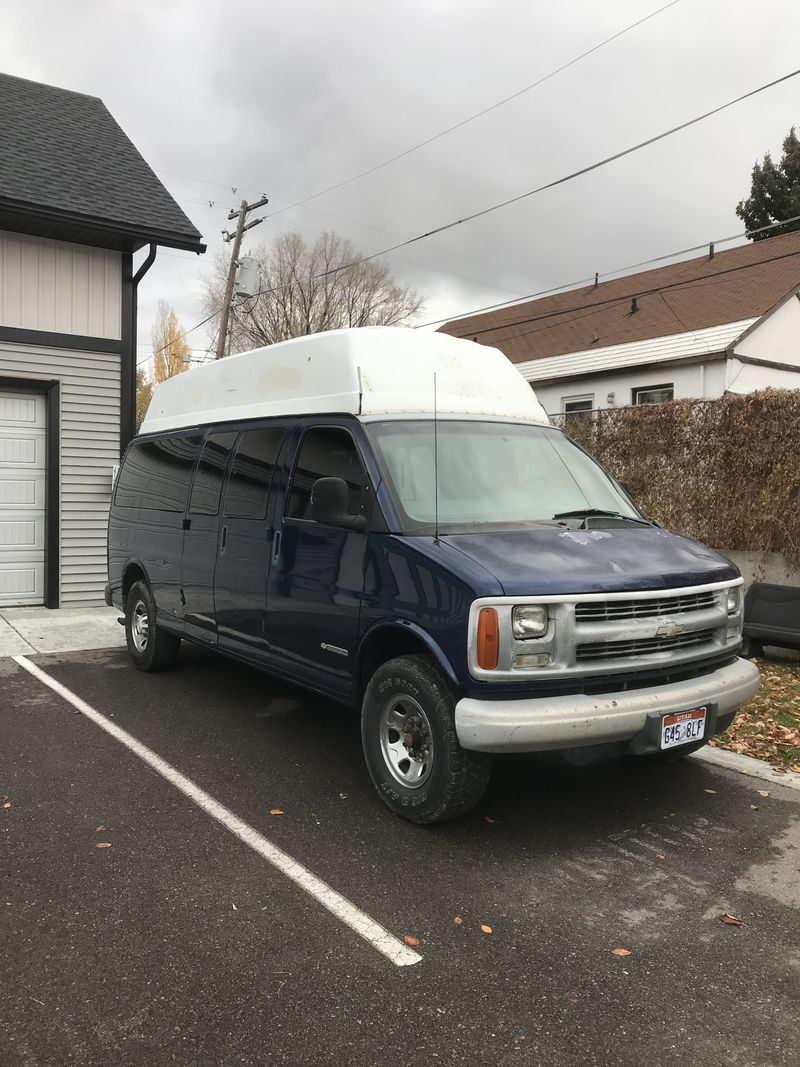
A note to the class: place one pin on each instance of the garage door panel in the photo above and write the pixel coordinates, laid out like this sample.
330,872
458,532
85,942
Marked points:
26,451
18,410
23,487
21,584
18,493
21,533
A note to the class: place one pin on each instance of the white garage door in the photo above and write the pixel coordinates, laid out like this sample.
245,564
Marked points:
23,472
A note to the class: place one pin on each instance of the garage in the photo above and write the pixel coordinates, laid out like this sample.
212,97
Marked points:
77,204
23,479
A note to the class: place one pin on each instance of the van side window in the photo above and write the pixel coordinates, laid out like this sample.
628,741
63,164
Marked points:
327,452
156,473
207,486
251,474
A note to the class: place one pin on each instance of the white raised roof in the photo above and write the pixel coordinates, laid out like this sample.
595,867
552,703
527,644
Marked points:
372,370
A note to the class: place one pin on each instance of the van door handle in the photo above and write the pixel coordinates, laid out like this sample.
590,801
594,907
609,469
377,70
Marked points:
187,524
224,539
276,546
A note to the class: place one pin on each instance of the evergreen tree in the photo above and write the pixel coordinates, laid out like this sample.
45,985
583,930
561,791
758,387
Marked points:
774,193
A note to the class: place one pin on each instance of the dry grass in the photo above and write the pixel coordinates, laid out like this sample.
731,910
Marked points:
768,728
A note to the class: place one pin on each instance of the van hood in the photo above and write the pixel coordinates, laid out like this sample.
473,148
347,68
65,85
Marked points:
541,562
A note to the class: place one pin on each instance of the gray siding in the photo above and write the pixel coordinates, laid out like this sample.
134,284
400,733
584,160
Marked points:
90,413
59,287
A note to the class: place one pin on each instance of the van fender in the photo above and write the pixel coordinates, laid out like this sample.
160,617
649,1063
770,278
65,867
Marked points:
401,628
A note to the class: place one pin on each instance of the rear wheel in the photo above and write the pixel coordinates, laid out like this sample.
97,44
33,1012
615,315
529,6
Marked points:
411,747
150,649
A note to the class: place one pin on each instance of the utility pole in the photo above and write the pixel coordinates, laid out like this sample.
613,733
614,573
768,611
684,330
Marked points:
237,244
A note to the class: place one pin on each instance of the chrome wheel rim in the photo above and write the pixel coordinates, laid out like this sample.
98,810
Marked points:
407,742
140,626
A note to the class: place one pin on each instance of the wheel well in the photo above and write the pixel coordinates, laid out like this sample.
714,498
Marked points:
387,644
133,574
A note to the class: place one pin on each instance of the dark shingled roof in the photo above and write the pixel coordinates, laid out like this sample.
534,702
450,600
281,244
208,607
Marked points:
67,170
740,283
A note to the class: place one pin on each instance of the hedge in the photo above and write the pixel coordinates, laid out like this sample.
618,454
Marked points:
726,472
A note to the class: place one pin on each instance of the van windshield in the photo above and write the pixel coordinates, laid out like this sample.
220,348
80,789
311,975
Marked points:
491,473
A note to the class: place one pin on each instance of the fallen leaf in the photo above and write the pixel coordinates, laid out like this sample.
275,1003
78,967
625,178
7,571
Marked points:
486,929
763,792
409,940
7,804
264,908
660,856
731,920
103,844
620,952
97,829
754,807
458,920
489,819
711,791
573,1000
276,811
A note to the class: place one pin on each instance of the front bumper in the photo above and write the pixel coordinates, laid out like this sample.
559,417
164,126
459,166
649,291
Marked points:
574,720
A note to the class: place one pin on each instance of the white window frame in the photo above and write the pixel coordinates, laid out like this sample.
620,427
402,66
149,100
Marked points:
578,398
638,389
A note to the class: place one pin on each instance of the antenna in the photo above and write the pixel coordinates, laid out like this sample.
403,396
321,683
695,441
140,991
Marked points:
435,465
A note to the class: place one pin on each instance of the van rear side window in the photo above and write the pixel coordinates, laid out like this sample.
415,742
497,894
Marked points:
207,486
156,473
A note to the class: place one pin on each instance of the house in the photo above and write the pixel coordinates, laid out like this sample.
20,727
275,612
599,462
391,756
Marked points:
725,321
77,200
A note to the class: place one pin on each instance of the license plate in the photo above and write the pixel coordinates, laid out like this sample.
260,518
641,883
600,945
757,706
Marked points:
682,727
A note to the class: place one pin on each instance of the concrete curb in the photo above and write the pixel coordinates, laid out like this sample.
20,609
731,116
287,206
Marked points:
755,768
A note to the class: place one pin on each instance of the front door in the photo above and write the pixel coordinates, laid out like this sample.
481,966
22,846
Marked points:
317,576
201,537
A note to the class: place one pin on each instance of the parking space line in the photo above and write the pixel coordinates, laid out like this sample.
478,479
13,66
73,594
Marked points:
367,928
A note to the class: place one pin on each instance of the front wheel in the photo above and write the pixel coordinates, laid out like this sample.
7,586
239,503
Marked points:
411,747
150,649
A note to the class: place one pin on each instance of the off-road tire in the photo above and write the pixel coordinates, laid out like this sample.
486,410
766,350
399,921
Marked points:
159,650
457,778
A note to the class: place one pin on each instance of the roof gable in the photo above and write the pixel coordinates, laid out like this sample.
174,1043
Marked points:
68,170
740,283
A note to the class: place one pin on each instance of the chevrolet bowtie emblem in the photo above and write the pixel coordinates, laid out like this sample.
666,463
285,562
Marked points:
669,629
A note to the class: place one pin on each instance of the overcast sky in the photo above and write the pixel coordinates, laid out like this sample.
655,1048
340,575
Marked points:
232,100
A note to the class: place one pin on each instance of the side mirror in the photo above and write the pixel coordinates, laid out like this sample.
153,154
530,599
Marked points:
329,504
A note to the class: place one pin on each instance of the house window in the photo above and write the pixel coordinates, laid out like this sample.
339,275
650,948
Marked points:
573,405
653,394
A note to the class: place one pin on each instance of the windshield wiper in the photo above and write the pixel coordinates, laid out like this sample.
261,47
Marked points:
587,513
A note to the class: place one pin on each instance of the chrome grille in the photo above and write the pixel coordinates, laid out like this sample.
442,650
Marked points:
607,610
641,646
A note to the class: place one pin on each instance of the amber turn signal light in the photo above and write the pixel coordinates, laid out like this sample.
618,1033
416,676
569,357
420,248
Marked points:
488,639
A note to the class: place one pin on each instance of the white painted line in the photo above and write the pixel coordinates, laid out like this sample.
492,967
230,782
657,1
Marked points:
737,761
371,932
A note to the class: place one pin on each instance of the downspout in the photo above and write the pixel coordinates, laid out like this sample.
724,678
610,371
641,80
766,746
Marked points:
149,260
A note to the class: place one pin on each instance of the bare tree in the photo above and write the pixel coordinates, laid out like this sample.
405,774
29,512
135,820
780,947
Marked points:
299,296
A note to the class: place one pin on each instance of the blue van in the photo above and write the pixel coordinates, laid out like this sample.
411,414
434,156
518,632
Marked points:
387,517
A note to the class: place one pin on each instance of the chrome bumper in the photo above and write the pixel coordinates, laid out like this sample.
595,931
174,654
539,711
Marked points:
570,721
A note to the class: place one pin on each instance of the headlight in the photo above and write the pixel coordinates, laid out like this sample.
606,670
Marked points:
734,600
529,620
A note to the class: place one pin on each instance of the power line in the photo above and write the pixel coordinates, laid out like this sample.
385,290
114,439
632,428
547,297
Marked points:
450,129
656,289
180,337
569,177
480,114
565,286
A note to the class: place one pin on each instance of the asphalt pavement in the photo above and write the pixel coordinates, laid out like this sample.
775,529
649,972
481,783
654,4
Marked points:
180,943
